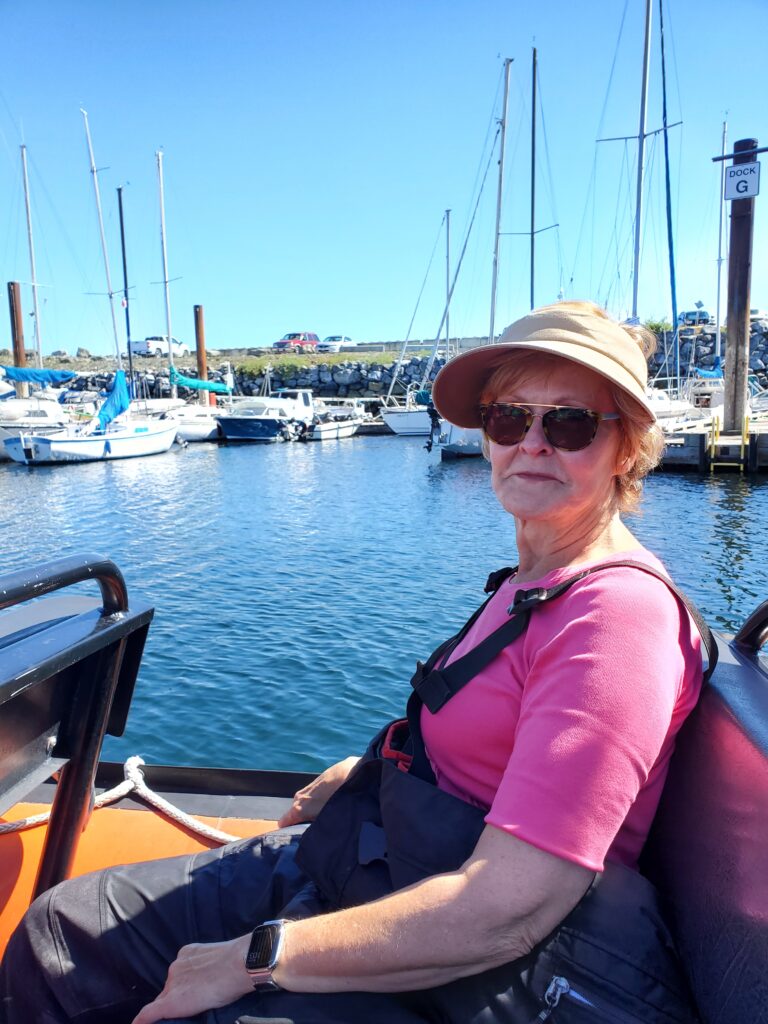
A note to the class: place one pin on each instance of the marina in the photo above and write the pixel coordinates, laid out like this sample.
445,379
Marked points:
224,556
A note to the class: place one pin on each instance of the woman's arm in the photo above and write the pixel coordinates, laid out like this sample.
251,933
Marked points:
494,909
503,900
309,801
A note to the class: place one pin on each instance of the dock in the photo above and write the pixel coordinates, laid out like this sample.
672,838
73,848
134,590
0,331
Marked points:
708,449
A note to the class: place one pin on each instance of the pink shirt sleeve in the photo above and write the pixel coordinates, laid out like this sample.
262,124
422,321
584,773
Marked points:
602,700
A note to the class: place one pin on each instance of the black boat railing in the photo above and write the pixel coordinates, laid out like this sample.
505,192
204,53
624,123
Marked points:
67,674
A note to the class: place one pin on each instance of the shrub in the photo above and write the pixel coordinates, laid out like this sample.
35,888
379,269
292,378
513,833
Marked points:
658,326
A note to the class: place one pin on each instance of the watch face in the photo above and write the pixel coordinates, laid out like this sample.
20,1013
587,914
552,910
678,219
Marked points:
262,953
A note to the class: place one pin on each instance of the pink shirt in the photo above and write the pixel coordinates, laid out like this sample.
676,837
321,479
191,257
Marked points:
566,736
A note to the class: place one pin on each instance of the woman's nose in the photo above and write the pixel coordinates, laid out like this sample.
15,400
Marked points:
535,439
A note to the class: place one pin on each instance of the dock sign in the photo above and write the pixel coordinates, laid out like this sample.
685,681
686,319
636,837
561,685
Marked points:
742,181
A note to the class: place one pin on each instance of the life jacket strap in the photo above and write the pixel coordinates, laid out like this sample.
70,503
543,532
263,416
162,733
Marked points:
435,682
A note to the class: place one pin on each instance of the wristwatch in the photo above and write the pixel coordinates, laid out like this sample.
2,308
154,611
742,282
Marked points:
264,953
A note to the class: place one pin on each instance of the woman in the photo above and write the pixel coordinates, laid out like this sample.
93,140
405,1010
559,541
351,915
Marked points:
548,750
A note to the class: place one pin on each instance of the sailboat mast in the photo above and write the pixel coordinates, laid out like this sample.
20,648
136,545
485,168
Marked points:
447,282
670,235
507,65
38,342
532,178
641,156
110,293
159,156
720,239
125,284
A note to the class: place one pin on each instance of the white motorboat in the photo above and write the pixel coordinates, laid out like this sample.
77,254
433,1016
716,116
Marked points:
126,440
335,418
196,422
39,415
330,429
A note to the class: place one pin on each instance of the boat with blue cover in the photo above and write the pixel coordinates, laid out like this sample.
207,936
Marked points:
103,438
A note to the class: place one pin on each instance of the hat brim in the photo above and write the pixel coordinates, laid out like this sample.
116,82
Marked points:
459,384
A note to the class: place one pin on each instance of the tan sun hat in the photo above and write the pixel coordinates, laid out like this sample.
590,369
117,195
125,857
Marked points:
578,335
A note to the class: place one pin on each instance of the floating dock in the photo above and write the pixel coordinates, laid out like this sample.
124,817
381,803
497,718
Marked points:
709,449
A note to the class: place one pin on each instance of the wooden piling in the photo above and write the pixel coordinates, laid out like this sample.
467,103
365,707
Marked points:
206,397
17,334
739,283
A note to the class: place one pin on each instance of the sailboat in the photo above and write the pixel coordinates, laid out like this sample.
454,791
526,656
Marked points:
195,422
411,417
109,435
458,442
418,416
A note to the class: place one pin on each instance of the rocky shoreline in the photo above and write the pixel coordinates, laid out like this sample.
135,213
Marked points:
697,349
370,378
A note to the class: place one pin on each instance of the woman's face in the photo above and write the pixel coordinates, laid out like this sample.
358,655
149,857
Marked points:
533,480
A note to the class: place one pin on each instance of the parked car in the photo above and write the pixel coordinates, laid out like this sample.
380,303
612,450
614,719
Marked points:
158,346
297,342
335,343
694,316
758,314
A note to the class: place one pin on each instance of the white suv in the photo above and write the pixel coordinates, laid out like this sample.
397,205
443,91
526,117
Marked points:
158,346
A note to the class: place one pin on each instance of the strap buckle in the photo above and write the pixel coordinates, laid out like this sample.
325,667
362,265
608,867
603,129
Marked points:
524,600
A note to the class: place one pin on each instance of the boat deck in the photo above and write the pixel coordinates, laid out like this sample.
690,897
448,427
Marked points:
241,803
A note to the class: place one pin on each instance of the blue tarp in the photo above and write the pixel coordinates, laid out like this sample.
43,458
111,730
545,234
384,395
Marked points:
196,384
16,373
716,371
117,401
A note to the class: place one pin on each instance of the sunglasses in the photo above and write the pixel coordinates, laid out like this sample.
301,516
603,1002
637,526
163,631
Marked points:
564,427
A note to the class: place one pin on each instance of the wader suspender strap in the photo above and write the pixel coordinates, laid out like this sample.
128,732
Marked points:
435,686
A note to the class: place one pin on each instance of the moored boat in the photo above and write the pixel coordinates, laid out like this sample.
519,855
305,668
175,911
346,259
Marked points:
74,444
41,416
110,435
335,419
269,418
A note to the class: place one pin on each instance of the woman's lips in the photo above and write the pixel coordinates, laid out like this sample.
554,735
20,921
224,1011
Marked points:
532,475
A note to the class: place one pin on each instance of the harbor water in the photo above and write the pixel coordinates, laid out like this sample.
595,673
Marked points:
295,585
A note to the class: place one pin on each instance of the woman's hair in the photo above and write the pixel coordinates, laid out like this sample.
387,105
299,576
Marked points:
641,442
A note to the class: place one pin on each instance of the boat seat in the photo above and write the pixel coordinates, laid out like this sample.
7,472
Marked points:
67,673
708,849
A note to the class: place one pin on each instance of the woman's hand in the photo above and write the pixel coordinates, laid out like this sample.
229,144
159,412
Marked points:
202,977
310,800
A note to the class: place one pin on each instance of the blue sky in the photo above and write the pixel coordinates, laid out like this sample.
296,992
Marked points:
311,149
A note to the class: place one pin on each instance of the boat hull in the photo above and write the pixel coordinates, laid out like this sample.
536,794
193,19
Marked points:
259,429
127,442
198,423
408,422
30,416
461,443
332,430
8,433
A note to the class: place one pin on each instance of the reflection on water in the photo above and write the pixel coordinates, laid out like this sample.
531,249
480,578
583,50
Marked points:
295,585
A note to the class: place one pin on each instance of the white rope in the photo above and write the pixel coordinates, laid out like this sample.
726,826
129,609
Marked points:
133,783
